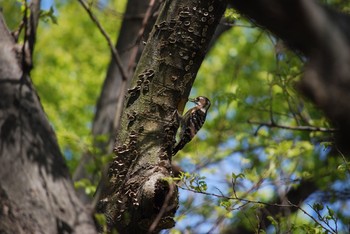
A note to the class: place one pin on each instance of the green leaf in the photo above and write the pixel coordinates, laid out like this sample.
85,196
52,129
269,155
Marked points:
49,15
317,206
272,220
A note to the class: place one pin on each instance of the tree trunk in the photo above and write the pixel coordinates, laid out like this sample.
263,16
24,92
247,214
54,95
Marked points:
139,196
36,193
111,98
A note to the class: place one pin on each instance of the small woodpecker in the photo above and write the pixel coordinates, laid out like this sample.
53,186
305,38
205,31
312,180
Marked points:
192,121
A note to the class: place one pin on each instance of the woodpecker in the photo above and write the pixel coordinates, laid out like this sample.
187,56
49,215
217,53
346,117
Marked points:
192,121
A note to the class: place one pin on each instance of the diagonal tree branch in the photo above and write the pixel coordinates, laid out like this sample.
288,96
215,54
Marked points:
294,128
114,51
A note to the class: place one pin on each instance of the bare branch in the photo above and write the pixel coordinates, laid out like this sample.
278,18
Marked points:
294,128
17,32
310,216
233,198
247,201
110,43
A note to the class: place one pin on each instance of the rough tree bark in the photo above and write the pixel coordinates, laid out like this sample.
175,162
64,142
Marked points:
36,192
139,197
104,124
112,95
29,147
323,36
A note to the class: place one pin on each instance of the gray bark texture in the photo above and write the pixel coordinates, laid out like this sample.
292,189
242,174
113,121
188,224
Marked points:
36,192
138,191
111,98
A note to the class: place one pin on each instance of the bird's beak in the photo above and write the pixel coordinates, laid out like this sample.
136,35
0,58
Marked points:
192,100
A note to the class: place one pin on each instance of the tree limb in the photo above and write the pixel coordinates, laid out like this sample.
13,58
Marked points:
114,51
294,128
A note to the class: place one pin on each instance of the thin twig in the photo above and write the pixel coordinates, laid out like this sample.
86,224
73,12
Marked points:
296,128
163,209
258,202
233,198
310,216
115,53
17,32
344,159
222,217
322,219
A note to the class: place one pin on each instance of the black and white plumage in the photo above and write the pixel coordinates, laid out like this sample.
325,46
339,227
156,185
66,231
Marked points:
192,121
